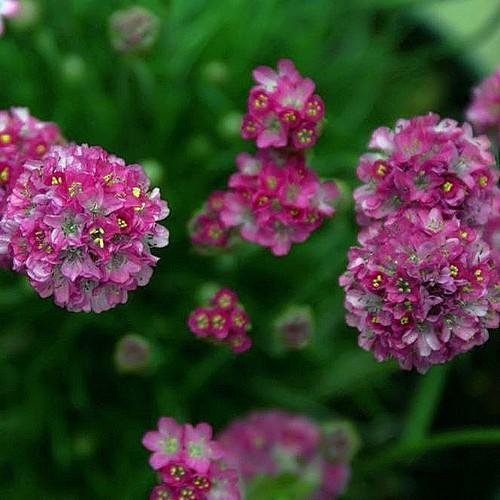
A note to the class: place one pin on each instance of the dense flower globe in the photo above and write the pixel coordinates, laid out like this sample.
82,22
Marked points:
223,321
22,138
190,463
426,162
421,290
274,442
484,110
8,8
275,200
80,223
283,110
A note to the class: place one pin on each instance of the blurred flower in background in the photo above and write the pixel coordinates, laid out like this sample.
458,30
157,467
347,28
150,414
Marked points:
484,110
294,327
275,443
8,8
134,29
132,354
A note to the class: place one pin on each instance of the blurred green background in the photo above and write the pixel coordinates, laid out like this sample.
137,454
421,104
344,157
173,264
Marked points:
70,423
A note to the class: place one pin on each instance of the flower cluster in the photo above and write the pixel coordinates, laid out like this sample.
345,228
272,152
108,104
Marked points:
190,463
283,110
421,289
484,111
8,8
223,321
274,199
22,138
80,223
426,162
206,228
271,443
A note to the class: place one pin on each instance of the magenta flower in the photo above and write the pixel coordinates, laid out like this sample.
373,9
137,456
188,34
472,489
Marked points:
80,223
427,163
271,443
421,289
283,110
190,463
224,321
8,8
276,200
484,110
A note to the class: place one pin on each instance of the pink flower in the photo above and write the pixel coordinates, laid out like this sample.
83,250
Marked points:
80,223
8,8
420,289
427,163
484,110
223,321
283,110
271,443
190,463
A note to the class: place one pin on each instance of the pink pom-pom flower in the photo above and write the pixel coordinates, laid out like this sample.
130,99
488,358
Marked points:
484,110
426,162
190,463
224,321
421,289
80,223
271,443
283,110
8,8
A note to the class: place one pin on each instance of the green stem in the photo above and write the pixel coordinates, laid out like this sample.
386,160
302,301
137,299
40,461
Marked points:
408,451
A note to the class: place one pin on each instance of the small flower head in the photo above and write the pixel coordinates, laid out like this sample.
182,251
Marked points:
294,327
484,110
190,463
132,354
80,223
427,163
134,29
283,110
223,321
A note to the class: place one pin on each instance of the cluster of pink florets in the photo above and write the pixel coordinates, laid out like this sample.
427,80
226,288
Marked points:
421,290
274,442
427,162
283,110
423,287
80,223
484,111
274,199
191,465
223,321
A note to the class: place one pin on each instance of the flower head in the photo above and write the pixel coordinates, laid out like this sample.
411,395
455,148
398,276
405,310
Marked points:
484,110
426,163
224,321
283,110
271,443
294,327
80,223
421,289
8,8
190,463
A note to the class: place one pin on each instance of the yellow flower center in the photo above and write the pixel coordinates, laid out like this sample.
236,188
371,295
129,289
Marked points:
447,186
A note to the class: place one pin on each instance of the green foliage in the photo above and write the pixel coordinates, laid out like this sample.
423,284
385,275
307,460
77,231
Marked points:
70,425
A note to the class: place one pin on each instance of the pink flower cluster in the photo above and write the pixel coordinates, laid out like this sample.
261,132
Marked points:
22,138
274,199
484,110
271,443
223,321
190,463
426,162
421,289
80,223
283,110
8,8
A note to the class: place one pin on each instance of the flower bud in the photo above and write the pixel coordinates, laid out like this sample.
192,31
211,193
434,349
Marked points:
294,327
339,441
132,354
